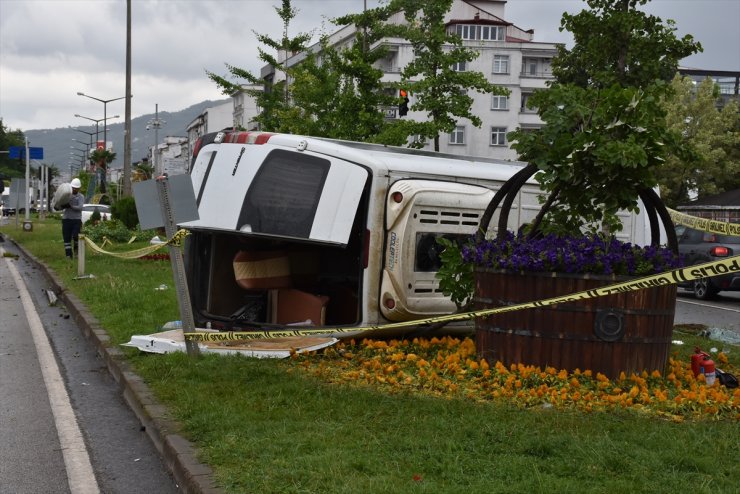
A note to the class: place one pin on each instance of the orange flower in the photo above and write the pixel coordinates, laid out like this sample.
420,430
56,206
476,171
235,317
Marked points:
448,366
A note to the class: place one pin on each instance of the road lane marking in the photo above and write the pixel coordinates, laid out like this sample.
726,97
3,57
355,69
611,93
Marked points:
80,474
709,306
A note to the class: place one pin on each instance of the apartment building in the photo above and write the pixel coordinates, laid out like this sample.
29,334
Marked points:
728,82
508,56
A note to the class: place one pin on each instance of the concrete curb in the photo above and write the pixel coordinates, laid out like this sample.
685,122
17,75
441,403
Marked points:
178,453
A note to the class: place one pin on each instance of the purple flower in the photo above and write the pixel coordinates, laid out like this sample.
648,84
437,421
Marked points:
578,254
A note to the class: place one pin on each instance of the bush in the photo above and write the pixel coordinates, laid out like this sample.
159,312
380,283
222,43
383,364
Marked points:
124,210
95,217
114,230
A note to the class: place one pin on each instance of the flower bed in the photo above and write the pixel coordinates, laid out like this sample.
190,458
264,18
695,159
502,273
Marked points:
593,254
448,367
627,332
156,257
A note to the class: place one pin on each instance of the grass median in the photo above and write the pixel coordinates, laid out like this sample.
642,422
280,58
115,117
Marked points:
310,425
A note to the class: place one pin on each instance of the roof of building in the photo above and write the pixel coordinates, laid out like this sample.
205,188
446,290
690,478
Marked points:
729,198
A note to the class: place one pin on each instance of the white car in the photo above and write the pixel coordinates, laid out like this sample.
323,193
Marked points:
89,209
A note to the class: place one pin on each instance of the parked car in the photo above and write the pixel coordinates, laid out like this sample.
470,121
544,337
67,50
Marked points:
697,247
89,209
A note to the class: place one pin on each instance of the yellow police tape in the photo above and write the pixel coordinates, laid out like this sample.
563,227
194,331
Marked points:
725,266
176,240
704,224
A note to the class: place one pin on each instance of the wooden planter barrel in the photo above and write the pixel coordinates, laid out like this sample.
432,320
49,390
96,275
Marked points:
627,332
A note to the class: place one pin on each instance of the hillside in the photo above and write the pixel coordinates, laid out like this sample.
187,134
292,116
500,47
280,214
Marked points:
57,142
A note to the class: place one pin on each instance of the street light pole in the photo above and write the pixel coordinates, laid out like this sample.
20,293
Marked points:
80,157
97,122
90,134
87,145
105,112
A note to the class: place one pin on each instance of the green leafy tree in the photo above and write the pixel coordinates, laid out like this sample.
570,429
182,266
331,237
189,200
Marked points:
713,163
11,167
363,97
616,43
437,88
338,93
605,130
124,210
275,97
144,170
102,157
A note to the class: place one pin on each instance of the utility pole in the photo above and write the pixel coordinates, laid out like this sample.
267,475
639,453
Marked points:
27,225
156,123
127,115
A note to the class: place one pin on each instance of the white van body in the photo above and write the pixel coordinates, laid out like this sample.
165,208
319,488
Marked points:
348,229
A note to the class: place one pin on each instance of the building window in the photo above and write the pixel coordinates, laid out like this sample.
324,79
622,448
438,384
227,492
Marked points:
525,102
492,33
527,128
484,33
498,136
465,31
500,102
457,136
459,66
501,64
536,67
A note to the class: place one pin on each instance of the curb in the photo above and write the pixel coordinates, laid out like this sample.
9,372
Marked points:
179,454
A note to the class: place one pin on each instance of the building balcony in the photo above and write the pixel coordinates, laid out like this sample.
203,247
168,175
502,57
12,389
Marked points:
530,118
536,74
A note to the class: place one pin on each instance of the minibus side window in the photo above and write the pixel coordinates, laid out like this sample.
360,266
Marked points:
283,197
427,256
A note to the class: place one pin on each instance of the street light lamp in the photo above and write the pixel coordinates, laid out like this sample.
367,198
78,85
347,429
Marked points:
97,122
105,111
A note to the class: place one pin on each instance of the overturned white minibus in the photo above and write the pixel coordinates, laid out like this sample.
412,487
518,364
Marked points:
306,231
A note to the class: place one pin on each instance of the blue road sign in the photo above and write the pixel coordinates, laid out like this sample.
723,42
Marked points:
20,152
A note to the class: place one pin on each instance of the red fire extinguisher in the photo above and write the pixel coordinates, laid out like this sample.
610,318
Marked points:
701,363
708,371
696,360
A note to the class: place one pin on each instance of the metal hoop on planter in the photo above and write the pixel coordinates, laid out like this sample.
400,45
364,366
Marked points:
654,208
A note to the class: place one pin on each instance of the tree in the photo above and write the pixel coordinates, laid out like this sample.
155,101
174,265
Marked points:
615,43
605,130
338,93
437,88
8,138
101,158
275,97
713,165
143,171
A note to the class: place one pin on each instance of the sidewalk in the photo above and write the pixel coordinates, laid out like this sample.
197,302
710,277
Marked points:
178,453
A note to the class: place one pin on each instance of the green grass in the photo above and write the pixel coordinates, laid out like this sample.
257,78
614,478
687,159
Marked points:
265,426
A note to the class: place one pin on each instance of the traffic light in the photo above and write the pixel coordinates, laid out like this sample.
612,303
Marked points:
403,107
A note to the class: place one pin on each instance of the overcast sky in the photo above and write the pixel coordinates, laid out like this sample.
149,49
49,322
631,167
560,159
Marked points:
51,49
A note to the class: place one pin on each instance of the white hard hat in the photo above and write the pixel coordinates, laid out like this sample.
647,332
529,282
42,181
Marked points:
75,183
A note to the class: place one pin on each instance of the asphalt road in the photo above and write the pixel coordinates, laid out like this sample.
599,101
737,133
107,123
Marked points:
722,312
38,452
